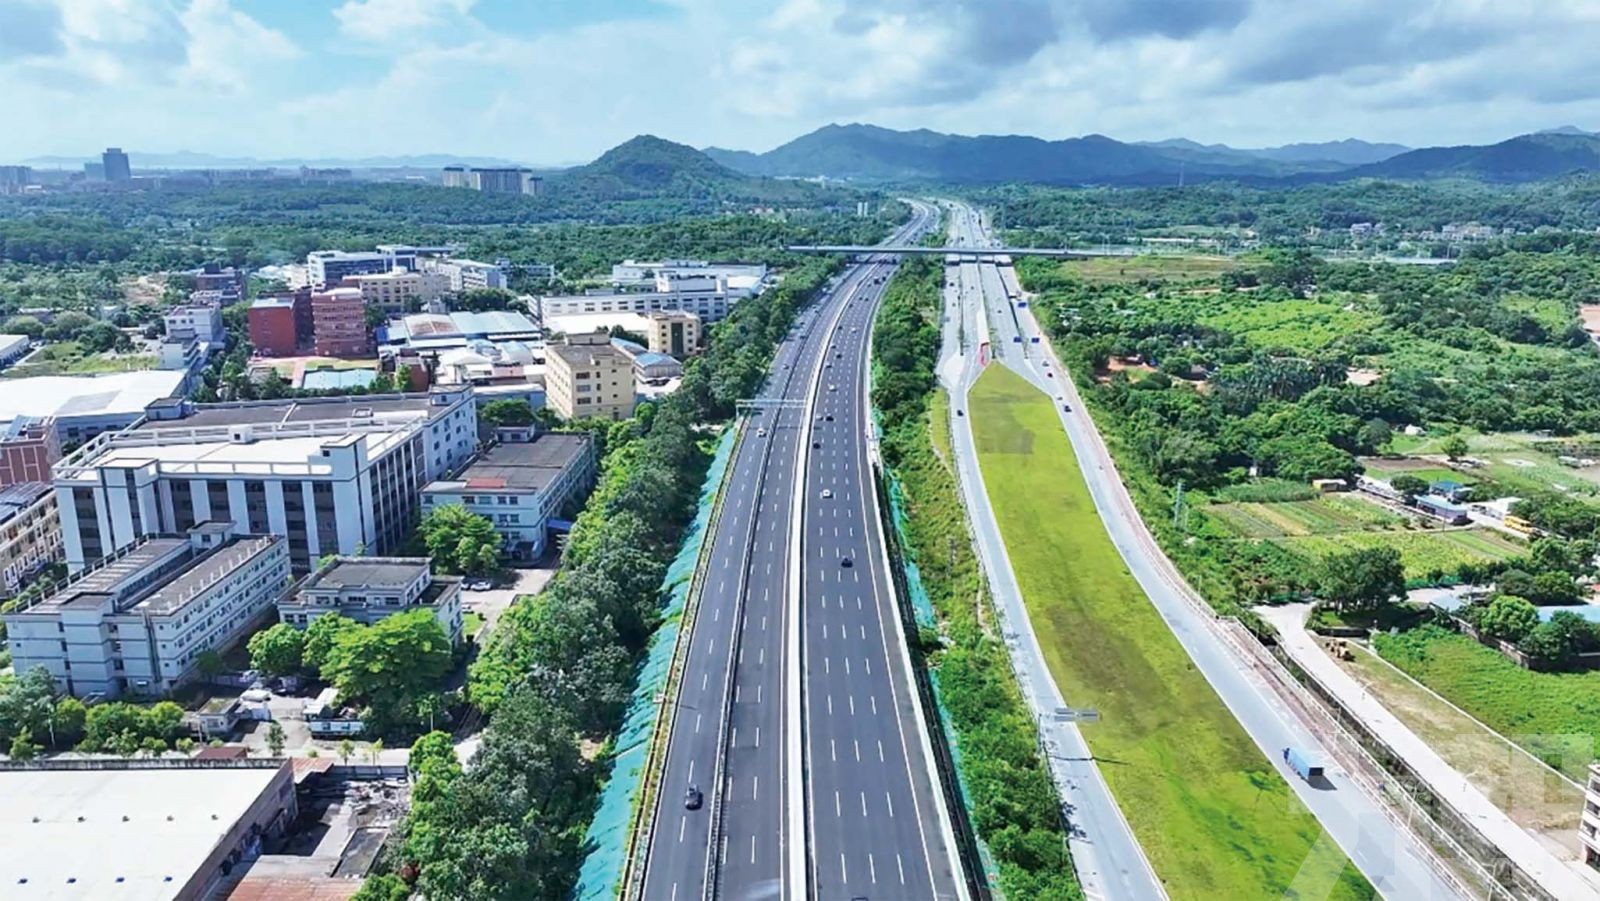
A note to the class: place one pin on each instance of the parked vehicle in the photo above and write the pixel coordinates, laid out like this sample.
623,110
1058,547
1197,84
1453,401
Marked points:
1308,767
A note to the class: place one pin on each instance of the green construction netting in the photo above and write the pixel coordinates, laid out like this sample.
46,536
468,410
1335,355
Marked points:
607,838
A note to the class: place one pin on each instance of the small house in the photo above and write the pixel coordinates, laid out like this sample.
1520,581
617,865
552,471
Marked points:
1329,486
1443,509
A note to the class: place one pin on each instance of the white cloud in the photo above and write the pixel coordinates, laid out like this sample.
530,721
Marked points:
228,50
411,21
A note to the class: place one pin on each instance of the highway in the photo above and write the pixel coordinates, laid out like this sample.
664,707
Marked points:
1105,854
877,827
1385,852
728,737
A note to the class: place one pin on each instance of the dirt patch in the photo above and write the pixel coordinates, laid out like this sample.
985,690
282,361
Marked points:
1122,364
1361,378
1589,313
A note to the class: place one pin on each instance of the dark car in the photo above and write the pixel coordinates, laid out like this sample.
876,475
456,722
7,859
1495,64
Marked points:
829,417
692,798
816,444
846,562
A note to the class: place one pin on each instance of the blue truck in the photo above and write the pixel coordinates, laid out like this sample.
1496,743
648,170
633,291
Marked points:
1309,768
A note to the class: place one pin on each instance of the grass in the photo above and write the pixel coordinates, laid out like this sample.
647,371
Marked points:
1532,794
939,416
471,623
1163,267
69,358
1421,552
1520,463
1556,716
1213,816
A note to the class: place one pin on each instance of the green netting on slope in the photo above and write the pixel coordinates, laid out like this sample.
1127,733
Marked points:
921,604
608,831
989,866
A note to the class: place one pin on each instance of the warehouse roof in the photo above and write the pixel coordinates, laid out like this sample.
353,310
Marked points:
88,395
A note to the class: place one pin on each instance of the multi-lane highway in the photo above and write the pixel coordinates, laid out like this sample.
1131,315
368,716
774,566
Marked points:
1386,853
877,827
735,739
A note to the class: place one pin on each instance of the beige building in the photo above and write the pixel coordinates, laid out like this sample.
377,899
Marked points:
400,291
588,377
674,332
30,532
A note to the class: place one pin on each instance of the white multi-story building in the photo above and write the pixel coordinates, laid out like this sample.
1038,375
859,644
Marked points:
195,322
326,268
634,274
368,589
709,305
465,275
331,475
519,486
30,532
138,621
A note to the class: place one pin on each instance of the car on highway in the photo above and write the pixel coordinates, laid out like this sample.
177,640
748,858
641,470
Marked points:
846,562
761,432
960,413
833,387
693,798
829,417
816,444
827,493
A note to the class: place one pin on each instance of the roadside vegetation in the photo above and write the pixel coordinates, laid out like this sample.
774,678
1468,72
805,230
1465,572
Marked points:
1214,817
1015,809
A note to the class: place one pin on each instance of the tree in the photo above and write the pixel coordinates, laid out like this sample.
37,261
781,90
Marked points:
209,663
375,751
390,663
278,651
24,325
275,739
22,745
507,411
459,540
1516,582
1409,486
1554,589
1507,617
1454,447
321,636
1362,578
382,887
432,746
347,748
1558,640
68,720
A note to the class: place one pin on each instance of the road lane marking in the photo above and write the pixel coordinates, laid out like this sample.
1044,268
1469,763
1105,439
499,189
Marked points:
889,799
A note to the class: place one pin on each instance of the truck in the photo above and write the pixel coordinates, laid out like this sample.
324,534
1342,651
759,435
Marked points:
1309,768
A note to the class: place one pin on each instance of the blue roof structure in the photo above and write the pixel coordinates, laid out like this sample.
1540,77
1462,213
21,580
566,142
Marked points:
1590,612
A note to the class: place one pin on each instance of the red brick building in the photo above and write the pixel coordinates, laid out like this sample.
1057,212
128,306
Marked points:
275,323
339,323
28,448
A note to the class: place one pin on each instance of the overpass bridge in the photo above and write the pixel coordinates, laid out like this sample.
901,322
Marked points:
975,253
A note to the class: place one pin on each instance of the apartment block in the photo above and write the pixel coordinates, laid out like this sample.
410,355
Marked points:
339,323
326,268
137,622
279,322
369,589
338,475
30,533
226,281
588,377
465,275
195,322
519,486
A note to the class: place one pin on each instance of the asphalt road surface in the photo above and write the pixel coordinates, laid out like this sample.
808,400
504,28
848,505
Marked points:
1385,852
727,740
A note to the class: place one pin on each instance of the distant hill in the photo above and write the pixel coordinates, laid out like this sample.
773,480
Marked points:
868,152
188,159
650,167
1326,154
1523,158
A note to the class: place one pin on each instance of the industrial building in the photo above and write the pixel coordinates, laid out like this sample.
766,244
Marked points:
137,622
648,366
369,589
399,290
519,486
138,830
435,332
673,332
83,406
642,275
588,377
14,348
336,475
30,533
327,268
709,297
464,275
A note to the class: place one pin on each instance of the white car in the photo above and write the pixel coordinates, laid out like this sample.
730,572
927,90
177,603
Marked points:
827,493
761,432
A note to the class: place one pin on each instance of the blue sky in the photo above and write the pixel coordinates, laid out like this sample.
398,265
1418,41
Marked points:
558,81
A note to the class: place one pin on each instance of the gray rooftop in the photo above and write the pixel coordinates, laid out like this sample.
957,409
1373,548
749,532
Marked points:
368,572
308,410
520,466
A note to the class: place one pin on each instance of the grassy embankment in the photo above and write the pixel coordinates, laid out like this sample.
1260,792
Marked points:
1556,716
1213,816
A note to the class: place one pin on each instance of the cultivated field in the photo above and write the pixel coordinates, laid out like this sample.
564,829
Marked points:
1214,817
1319,516
1117,270
1421,552
1520,463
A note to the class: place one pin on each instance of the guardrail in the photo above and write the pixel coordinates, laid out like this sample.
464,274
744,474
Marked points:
633,871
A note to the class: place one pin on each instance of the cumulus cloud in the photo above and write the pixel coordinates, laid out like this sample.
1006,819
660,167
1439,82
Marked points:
753,73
